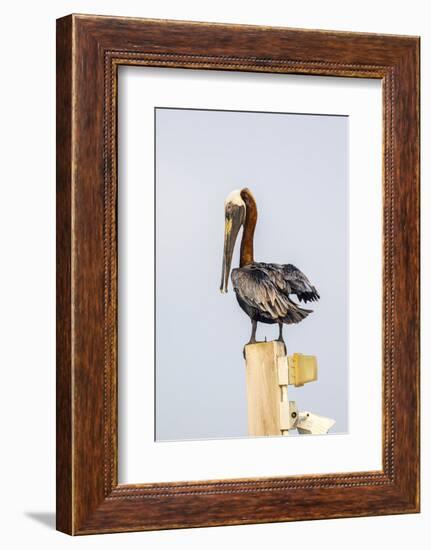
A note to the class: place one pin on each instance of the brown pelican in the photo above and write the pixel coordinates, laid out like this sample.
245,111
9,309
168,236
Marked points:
262,290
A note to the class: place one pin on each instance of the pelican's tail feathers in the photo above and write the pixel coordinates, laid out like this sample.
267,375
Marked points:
296,314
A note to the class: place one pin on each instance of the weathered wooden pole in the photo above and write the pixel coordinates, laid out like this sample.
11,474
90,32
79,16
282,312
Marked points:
267,381
268,373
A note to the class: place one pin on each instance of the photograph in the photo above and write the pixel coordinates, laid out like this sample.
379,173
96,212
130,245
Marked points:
237,270
215,275
260,201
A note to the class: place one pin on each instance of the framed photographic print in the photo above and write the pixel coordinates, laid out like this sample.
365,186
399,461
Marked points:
280,167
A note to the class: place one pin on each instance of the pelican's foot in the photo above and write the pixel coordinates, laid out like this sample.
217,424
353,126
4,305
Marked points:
251,341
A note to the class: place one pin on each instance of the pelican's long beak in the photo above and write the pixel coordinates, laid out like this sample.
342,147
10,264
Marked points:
234,218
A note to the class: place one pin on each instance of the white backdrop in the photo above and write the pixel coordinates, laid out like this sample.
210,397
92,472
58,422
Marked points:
141,459
27,123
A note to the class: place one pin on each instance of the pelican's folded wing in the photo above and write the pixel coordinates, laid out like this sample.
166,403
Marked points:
255,286
299,284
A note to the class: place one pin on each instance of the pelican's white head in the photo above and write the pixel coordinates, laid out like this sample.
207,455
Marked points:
234,211
234,198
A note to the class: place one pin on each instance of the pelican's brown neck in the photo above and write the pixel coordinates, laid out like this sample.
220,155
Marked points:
247,256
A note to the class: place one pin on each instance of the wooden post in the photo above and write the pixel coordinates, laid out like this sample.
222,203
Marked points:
269,372
266,398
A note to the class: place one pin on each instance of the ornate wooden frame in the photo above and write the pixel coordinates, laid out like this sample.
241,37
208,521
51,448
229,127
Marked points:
89,50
